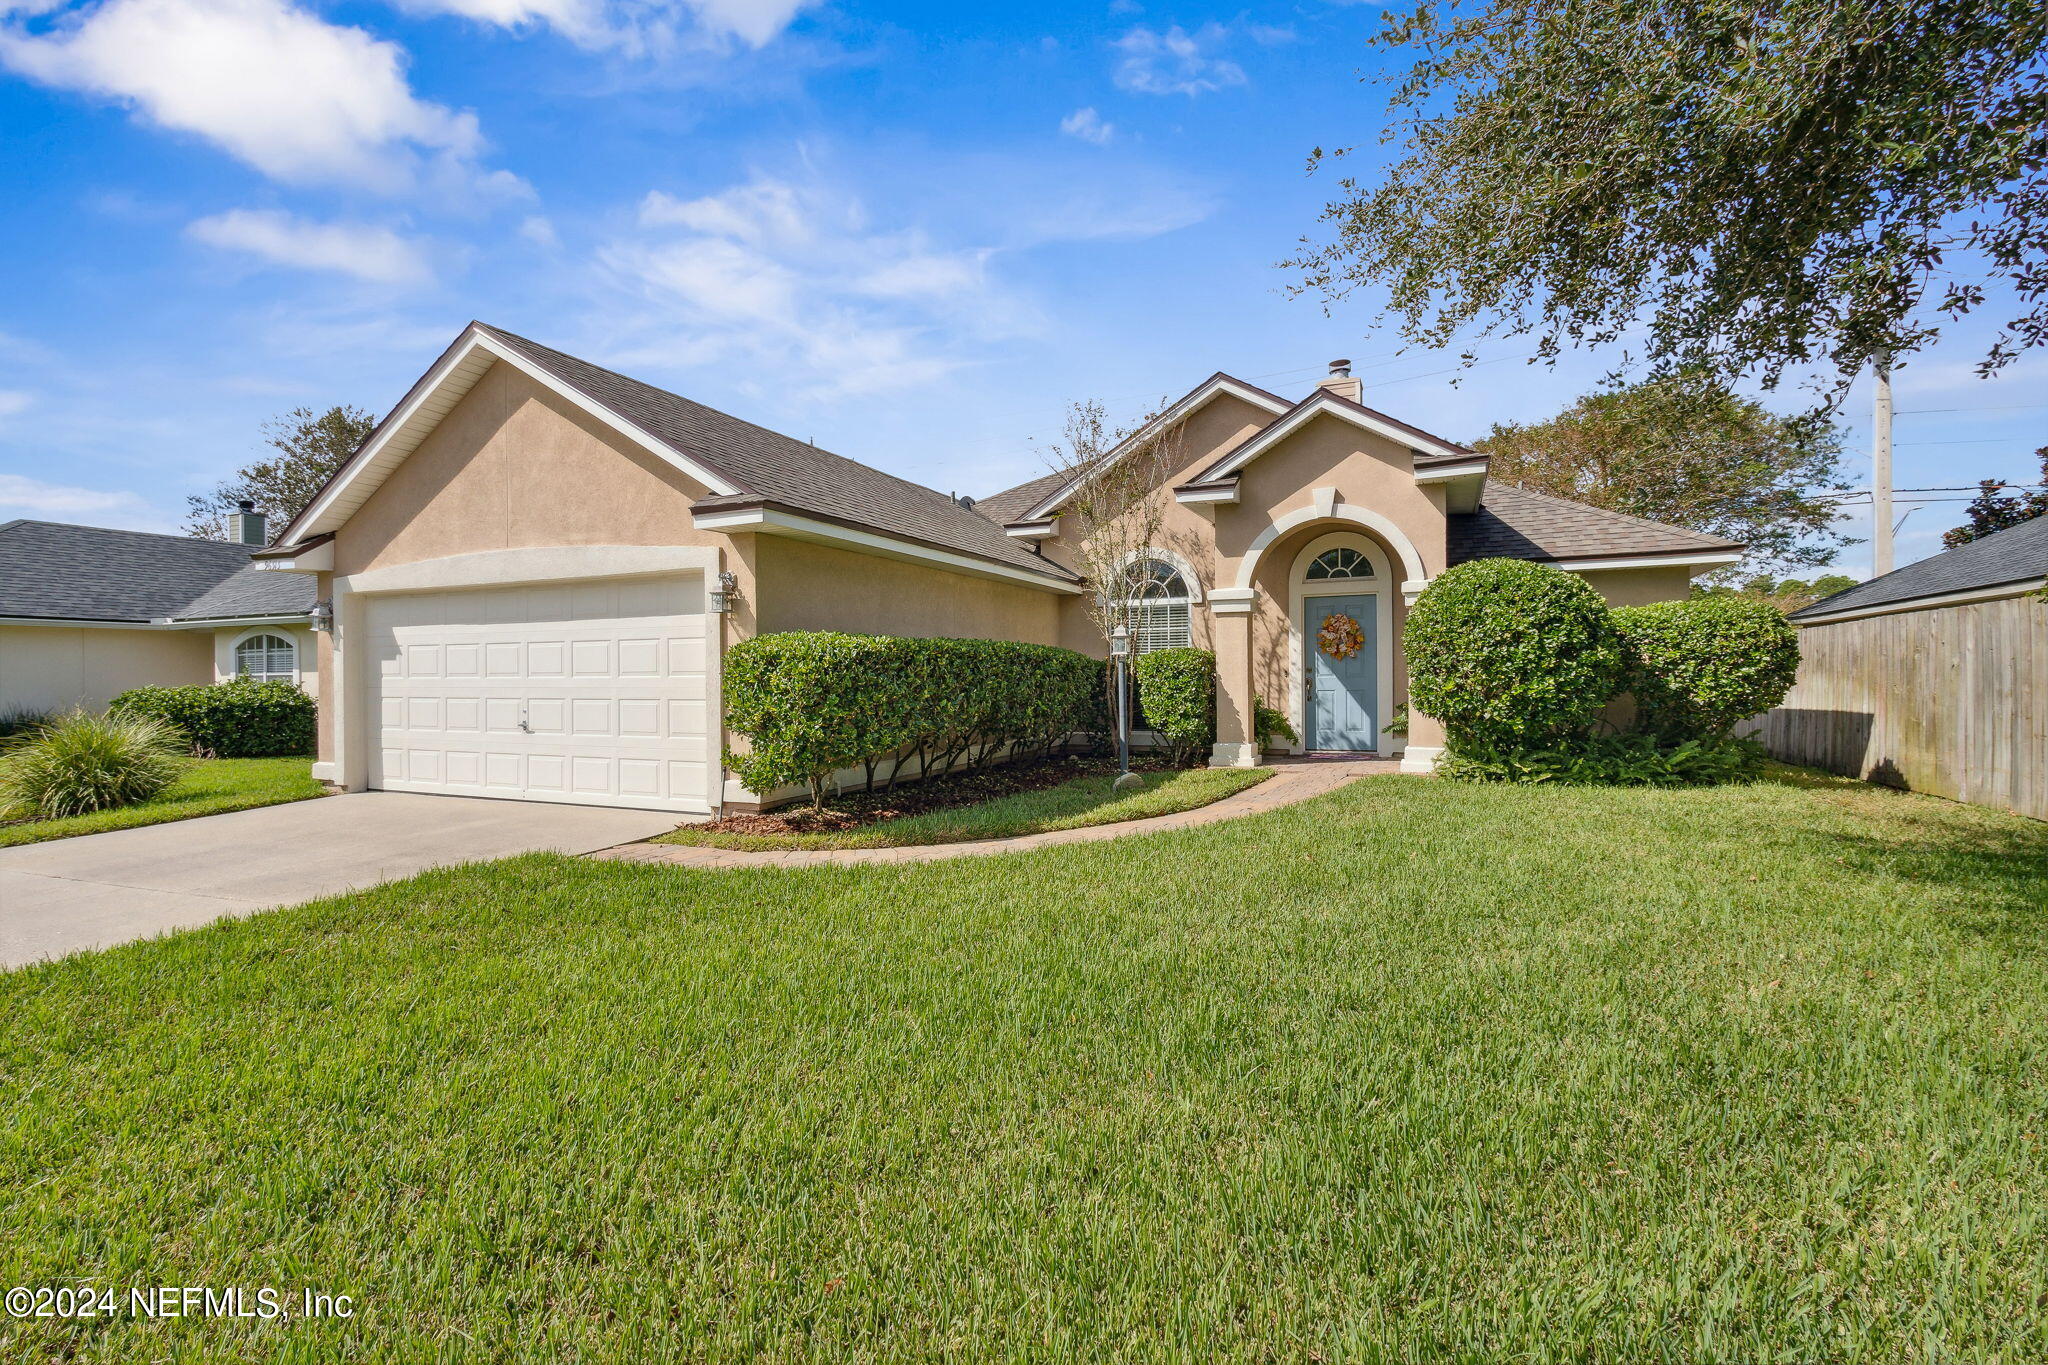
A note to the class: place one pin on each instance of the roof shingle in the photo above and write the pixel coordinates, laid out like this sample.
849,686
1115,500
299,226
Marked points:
784,470
2014,555
94,573
1513,522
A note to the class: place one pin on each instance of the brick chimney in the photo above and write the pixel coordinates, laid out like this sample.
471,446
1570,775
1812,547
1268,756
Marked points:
247,524
1340,382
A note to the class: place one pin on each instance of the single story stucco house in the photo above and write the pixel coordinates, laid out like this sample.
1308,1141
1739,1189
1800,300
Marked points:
534,567
87,612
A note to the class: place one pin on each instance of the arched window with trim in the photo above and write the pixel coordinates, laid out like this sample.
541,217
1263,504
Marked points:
267,658
1339,563
1158,606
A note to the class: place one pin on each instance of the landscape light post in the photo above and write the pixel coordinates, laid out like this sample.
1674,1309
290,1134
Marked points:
1120,658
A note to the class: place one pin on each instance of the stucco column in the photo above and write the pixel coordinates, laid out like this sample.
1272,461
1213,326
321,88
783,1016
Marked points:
1425,740
1237,743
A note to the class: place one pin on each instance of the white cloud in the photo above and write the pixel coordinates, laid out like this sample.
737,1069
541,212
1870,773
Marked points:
633,26
540,231
13,401
792,280
23,496
376,254
1174,62
274,85
1087,125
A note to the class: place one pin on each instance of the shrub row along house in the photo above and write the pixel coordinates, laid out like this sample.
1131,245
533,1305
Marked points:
535,569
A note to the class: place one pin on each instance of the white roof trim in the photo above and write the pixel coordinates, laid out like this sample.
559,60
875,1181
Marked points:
1033,530
1960,598
769,521
319,559
453,376
1199,397
154,623
1322,401
1696,559
1192,496
1443,473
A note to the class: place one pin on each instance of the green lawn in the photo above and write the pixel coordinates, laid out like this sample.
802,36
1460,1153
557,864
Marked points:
208,787
1084,801
1415,1071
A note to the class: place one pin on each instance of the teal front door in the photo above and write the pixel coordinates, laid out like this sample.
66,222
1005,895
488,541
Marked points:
1343,694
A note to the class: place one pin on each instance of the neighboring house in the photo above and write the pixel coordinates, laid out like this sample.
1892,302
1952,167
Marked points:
535,567
1933,677
87,612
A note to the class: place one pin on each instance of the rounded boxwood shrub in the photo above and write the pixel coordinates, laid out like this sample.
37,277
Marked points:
1177,688
83,762
1511,655
236,719
1701,666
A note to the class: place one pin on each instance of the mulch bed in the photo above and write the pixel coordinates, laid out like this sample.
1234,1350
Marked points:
856,809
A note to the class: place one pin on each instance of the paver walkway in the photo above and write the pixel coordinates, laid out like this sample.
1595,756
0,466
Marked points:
1296,780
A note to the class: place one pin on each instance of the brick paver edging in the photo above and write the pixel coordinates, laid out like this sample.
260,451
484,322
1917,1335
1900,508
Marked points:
1293,782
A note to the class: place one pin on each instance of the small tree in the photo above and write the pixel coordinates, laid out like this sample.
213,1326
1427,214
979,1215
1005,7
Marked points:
310,447
1995,508
1112,513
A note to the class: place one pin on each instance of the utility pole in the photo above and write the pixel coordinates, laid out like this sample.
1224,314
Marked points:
1881,471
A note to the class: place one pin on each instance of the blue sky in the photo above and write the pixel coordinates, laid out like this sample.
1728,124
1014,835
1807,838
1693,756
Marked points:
910,233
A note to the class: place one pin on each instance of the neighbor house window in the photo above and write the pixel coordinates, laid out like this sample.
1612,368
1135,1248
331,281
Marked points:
1339,563
1159,607
264,657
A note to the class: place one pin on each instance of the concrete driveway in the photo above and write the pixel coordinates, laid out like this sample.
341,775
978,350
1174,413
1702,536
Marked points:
101,889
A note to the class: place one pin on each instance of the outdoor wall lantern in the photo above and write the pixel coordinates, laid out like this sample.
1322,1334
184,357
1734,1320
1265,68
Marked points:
727,591
321,617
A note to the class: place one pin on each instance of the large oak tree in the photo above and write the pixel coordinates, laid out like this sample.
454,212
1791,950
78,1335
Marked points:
1739,185
1687,451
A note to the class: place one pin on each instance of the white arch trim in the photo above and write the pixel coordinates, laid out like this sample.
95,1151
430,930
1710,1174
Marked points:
1179,561
1395,538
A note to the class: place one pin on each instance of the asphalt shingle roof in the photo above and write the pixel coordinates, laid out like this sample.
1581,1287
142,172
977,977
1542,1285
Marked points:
2013,555
1520,523
784,470
94,573
1010,504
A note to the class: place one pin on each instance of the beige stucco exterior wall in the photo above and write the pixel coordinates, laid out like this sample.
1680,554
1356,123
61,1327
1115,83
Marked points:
804,586
1639,587
50,668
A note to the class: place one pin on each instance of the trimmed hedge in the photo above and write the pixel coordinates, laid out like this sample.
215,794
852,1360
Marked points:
1177,688
1510,654
235,719
1701,666
813,702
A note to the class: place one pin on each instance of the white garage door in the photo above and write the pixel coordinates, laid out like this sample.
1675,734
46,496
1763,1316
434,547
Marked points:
591,693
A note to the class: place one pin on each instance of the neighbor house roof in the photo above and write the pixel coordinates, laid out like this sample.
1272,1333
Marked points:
772,469
57,571
2018,554
1012,503
1512,522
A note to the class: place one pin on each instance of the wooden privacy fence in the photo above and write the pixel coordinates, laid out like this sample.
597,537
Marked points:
1948,700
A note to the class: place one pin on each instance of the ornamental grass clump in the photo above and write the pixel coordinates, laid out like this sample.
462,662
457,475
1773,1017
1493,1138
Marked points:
85,762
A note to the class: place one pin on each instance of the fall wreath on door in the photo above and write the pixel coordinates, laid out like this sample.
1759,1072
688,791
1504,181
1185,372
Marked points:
1340,637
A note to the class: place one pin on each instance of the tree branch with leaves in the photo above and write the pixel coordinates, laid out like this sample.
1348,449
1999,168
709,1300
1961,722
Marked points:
310,447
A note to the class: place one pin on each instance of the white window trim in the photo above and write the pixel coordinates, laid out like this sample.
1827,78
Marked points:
1381,588
1180,566
235,650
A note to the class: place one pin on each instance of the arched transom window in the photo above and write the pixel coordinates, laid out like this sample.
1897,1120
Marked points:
264,657
1158,607
1341,562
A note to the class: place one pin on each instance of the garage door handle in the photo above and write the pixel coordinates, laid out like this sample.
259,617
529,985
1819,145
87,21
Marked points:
524,726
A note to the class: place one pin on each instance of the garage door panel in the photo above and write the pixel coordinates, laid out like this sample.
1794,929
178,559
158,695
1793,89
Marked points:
593,693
